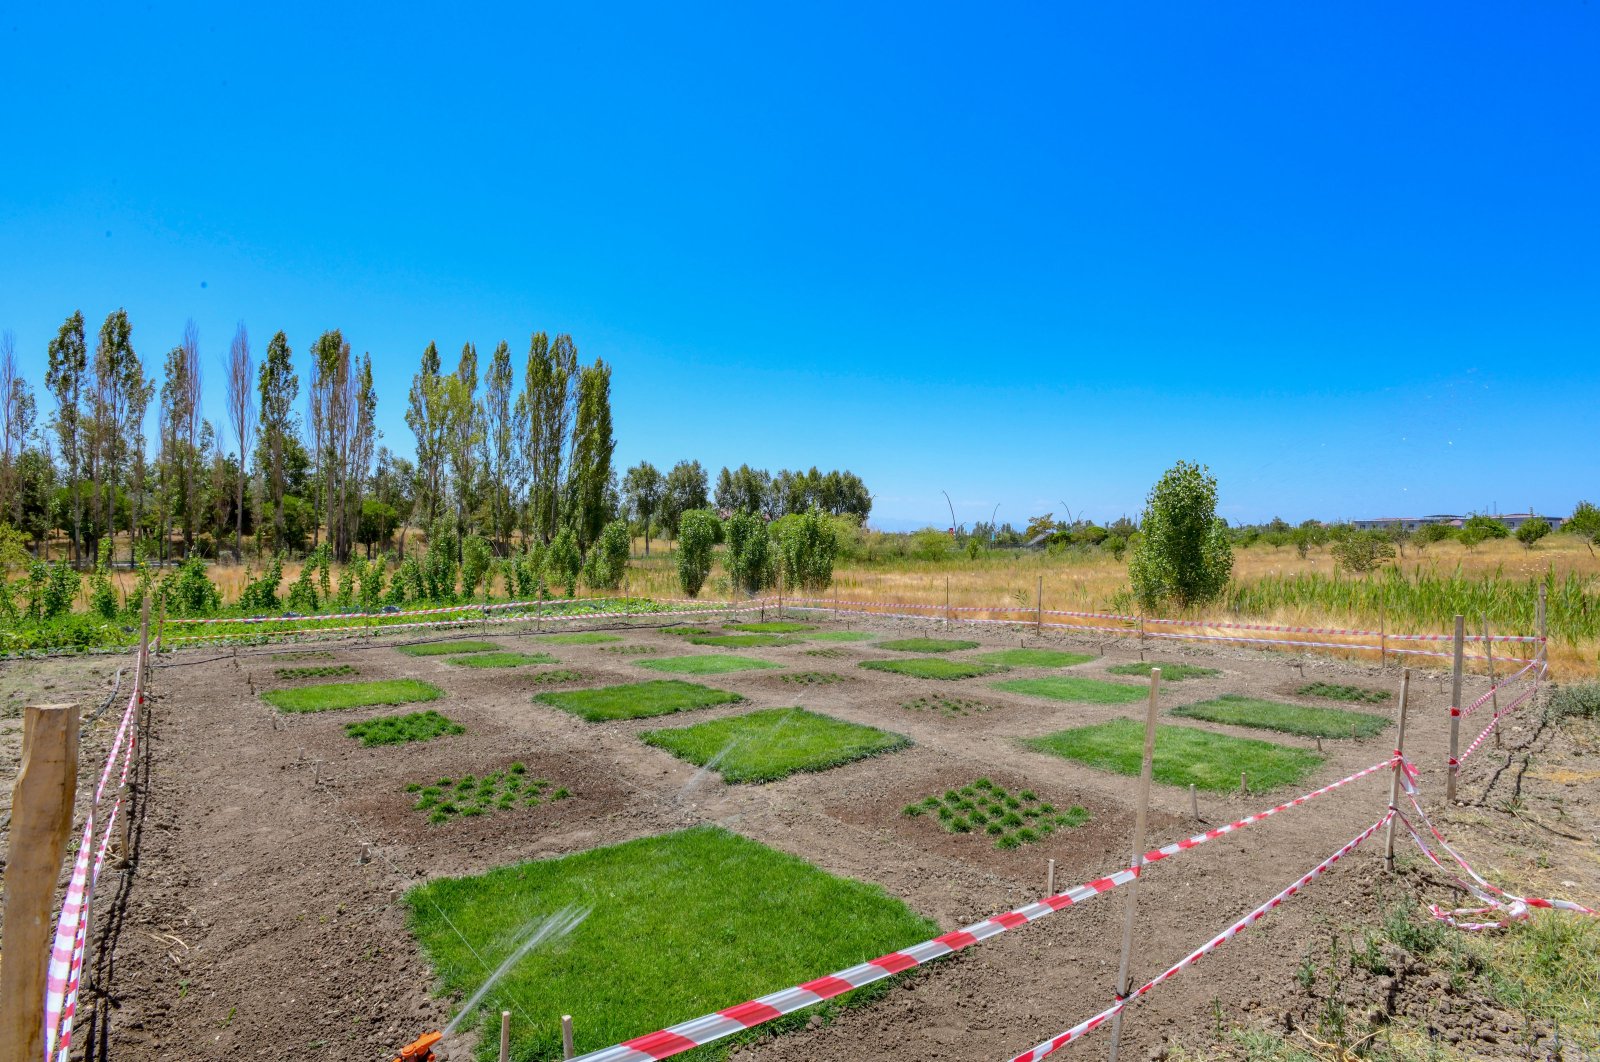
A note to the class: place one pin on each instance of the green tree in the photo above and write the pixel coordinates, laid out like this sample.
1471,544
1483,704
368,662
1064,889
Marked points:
102,595
592,447
1585,523
65,375
751,564
1183,556
279,389
121,395
697,536
1532,531
498,435
475,560
1479,528
608,560
685,489
643,488
563,561
809,545
544,408
1363,551
428,417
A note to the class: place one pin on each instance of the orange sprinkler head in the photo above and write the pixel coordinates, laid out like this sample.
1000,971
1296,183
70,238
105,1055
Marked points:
420,1049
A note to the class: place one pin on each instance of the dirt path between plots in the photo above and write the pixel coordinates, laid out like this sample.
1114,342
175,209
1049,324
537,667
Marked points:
264,916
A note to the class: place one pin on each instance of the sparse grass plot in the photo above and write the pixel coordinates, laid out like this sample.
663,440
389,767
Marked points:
827,653
503,658
1338,692
1238,710
403,729
727,919
556,676
933,668
333,696
1035,658
685,632
742,641
1170,672
448,648
472,796
707,665
812,678
927,645
1075,688
632,649
637,700
323,671
1183,755
770,627
774,743
579,638
843,636
1010,820
940,704
309,654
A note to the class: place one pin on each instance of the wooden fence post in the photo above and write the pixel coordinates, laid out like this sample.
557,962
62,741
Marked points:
1038,610
1394,784
1139,822
1494,687
1455,707
41,820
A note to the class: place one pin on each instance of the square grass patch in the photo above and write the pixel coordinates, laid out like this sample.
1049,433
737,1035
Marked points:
637,700
939,704
706,664
469,797
448,648
333,696
403,729
502,658
1075,688
1183,755
1170,672
1009,820
771,627
929,667
1337,692
742,641
710,919
927,645
1235,709
774,743
556,676
316,671
580,638
1035,658
842,636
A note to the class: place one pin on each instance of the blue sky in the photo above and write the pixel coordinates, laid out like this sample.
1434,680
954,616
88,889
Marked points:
1347,255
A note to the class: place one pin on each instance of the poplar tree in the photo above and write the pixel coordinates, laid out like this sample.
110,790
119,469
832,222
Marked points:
546,405
643,488
427,418
68,364
121,395
279,387
499,457
592,446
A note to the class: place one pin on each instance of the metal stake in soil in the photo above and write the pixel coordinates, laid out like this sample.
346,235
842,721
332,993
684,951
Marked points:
1140,819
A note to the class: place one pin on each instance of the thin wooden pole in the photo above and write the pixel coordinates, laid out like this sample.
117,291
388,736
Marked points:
1383,641
1494,687
1050,879
1139,822
41,820
1399,748
566,1037
947,601
1455,706
1194,802
1038,610
505,1036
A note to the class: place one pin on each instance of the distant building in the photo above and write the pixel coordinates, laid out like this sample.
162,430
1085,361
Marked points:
1413,523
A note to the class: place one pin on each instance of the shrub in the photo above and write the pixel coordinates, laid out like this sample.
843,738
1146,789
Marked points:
562,561
608,560
1585,523
261,595
527,567
697,535
303,594
61,585
1428,534
346,598
189,592
371,593
751,564
809,544
1183,555
102,595
439,571
475,561
1533,530
1363,551
1479,528
1581,701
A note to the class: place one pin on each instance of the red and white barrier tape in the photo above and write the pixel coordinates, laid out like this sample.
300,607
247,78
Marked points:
1492,690
1055,1043
1501,714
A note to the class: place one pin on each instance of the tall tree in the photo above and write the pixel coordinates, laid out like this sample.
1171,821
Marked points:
463,435
278,387
546,406
685,490
241,371
17,412
68,364
592,446
498,436
343,404
181,456
121,395
643,487
428,419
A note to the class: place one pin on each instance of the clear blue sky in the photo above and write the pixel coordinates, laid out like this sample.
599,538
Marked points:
1347,255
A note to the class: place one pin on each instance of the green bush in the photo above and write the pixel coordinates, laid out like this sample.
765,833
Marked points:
528,566
1533,530
808,544
303,594
563,562
697,536
475,560
102,595
439,569
1479,528
1363,551
608,560
261,595
751,564
189,592
1183,555
1579,701
371,593
1428,534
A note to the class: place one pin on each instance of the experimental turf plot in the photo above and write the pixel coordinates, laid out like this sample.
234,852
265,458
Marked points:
1338,692
742,641
472,796
637,700
403,729
1169,672
929,667
333,696
939,704
1238,710
842,636
579,638
706,665
773,743
1034,658
675,926
503,658
1010,820
448,648
770,627
315,671
1183,755
1075,688
927,645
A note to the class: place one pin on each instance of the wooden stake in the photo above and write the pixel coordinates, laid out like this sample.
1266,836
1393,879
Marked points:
947,601
1399,747
1038,610
505,1036
566,1037
41,820
1455,707
1383,641
1244,784
1140,819
1194,802
1494,689
1050,879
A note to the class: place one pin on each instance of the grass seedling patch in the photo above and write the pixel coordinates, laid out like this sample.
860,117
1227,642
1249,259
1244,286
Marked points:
1238,710
933,668
812,678
708,664
1009,820
725,918
843,636
403,729
927,645
1337,692
827,653
770,627
943,705
1075,688
332,696
637,700
741,641
1183,755
447,648
556,676
685,632
309,654
774,743
469,797
631,649
1035,658
316,671
503,658
580,638
1170,672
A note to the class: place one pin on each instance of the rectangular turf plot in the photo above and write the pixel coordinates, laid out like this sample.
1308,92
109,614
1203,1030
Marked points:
706,664
1170,672
332,696
1339,692
403,729
1035,658
1238,710
742,641
1183,756
448,648
678,926
774,743
843,636
1076,688
770,627
927,645
931,667
580,638
503,658
637,700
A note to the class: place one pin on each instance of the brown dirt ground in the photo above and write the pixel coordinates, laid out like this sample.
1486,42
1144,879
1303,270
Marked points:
249,926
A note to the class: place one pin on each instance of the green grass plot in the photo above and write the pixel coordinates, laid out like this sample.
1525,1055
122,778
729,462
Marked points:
448,648
1338,692
403,729
842,636
1075,688
503,658
1183,755
637,700
678,925
472,796
927,645
315,671
1035,658
1170,672
774,743
707,664
332,696
742,641
929,667
1238,710
1010,820
771,627
580,638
